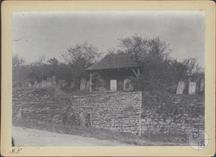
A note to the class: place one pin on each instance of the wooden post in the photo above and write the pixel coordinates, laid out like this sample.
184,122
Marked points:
90,82
136,73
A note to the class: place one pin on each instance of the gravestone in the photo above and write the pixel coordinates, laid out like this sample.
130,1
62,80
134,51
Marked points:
29,85
113,85
53,80
180,87
128,85
83,84
36,85
62,83
192,88
49,84
72,84
43,84
202,85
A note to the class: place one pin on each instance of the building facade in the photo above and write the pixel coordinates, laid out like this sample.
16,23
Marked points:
113,73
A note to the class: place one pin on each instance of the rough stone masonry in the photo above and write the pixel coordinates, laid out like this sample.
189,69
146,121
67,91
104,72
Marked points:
153,114
117,111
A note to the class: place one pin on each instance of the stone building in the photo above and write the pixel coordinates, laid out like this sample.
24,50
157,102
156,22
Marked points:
113,73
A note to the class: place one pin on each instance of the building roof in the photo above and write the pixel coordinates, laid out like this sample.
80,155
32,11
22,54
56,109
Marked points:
114,61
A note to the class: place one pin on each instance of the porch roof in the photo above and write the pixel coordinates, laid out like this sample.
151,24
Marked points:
114,61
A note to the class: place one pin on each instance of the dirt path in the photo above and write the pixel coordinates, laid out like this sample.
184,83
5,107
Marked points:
32,137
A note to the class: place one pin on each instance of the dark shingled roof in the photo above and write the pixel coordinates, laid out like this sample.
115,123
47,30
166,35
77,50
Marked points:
114,61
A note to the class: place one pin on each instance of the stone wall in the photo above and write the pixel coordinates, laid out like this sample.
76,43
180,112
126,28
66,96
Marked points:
154,114
171,116
37,104
117,111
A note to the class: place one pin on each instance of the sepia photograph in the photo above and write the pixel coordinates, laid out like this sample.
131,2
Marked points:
83,78
108,78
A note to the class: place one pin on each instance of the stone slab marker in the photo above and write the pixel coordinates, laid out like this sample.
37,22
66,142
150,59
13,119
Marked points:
90,82
128,85
192,88
29,85
202,85
83,84
113,85
43,84
180,87
72,84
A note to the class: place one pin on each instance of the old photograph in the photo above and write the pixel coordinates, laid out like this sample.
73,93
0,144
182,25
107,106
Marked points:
108,78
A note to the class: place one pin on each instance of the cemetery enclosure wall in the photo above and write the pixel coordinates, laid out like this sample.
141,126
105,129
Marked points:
159,113
117,111
170,114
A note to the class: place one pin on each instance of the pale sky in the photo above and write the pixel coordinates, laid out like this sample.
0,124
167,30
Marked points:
49,34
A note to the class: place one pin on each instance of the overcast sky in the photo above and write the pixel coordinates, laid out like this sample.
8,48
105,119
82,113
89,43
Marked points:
49,34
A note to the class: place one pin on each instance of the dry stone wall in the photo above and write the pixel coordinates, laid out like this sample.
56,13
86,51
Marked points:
37,105
172,116
151,114
117,111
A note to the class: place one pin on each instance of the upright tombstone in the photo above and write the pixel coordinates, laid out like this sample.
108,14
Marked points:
128,85
36,84
72,84
43,84
29,84
54,80
192,88
180,87
113,85
49,82
90,82
62,83
202,85
83,84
